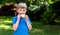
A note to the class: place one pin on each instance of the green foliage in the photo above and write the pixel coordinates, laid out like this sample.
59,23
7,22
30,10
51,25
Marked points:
4,1
33,8
48,16
56,5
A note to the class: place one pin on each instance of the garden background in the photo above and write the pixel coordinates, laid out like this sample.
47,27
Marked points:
44,14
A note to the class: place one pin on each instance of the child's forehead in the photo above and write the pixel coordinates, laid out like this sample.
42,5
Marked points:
21,8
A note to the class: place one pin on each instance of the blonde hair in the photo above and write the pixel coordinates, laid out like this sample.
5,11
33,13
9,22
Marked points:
22,5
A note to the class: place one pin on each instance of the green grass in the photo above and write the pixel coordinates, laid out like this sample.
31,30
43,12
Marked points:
38,27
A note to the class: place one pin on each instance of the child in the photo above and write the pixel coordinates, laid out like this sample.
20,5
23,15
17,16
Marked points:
21,22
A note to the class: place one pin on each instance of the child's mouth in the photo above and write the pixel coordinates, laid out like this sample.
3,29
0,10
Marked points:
22,15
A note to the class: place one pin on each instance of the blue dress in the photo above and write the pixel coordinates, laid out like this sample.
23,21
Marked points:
22,27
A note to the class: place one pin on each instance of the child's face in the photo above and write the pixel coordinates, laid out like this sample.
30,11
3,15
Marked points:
21,10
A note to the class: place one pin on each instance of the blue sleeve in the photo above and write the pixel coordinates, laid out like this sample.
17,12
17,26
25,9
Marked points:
29,21
14,19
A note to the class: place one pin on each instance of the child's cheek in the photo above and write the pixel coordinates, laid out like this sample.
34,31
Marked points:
25,12
19,11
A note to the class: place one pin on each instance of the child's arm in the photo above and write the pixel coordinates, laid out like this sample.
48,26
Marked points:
15,26
28,24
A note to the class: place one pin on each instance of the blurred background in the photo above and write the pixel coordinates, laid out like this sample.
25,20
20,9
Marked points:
44,14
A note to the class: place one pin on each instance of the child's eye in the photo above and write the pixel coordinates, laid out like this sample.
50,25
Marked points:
23,10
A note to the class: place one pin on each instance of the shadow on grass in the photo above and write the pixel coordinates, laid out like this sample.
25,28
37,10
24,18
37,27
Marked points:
42,29
6,32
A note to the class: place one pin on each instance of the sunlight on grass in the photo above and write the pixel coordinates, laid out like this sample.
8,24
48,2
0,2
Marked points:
5,21
37,30
5,26
8,21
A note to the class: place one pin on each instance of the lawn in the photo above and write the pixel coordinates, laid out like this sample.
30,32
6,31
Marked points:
38,27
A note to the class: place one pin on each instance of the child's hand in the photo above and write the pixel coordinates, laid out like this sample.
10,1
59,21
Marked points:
19,16
26,17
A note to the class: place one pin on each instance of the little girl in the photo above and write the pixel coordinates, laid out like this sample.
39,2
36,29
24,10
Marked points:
21,22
